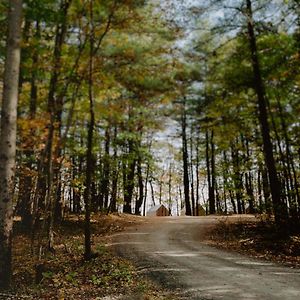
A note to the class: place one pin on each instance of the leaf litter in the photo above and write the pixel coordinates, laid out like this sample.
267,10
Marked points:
258,238
64,273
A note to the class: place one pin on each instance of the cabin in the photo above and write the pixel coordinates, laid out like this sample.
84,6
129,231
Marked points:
158,211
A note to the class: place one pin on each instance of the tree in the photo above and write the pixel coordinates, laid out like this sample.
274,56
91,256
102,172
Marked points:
280,209
8,139
247,98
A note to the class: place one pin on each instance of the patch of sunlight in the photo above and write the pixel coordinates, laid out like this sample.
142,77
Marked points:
176,254
253,263
207,253
286,273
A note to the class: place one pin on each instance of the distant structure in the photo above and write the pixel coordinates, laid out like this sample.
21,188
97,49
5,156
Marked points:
158,211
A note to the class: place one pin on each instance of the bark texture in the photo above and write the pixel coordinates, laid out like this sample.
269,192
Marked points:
8,139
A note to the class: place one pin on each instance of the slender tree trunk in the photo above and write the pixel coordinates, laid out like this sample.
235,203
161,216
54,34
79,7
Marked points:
146,189
170,190
185,159
212,197
248,179
280,210
210,171
140,199
192,175
106,170
177,205
160,191
129,174
181,198
260,192
152,192
250,193
238,182
8,139
115,175
197,176
266,190
218,198
225,196
53,108
225,181
89,153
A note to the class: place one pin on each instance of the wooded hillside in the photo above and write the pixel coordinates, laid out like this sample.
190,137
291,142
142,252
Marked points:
96,81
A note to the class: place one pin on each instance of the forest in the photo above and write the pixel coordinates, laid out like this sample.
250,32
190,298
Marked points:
115,106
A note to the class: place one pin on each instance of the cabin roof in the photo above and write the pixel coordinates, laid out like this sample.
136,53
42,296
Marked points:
156,207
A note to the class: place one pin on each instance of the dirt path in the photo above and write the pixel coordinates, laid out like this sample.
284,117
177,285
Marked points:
170,251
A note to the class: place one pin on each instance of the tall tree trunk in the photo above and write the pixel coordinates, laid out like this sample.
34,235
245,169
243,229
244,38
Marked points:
170,190
225,180
89,152
197,176
280,209
192,174
185,160
53,108
210,171
212,197
8,139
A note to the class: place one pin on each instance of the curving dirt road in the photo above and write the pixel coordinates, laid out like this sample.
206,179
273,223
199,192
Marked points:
170,251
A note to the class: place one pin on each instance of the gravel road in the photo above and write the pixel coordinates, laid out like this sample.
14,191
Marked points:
169,250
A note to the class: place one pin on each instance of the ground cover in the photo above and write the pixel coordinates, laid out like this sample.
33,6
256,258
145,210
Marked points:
63,274
257,237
